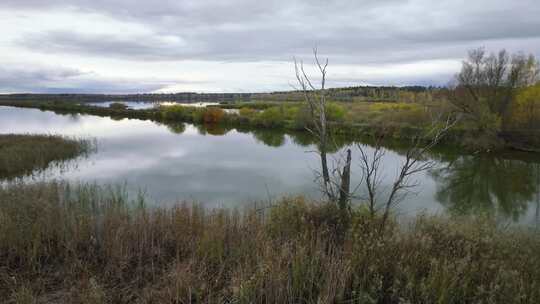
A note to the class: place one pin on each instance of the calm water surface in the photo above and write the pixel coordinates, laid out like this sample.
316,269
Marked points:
141,105
233,167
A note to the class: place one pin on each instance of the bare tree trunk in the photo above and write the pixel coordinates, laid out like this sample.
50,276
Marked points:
345,188
324,160
323,128
316,100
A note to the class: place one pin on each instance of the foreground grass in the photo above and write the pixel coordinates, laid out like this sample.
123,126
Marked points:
23,154
88,244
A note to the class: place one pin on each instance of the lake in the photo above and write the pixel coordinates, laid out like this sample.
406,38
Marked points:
232,167
142,105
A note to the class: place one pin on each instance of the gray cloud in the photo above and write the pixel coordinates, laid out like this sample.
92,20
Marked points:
242,30
67,80
367,32
148,47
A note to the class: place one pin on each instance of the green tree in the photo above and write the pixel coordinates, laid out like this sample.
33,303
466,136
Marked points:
118,106
271,117
486,86
174,112
335,112
247,112
526,112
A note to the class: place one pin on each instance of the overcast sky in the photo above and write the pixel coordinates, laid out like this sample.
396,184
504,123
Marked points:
131,46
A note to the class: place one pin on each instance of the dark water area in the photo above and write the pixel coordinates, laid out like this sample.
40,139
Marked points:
233,167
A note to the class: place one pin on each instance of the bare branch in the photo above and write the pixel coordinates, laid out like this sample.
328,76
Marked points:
332,176
413,164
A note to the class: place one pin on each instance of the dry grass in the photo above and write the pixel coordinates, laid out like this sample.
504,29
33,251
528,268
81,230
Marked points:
88,244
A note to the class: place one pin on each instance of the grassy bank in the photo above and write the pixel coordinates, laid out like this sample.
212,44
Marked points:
397,121
394,120
86,244
24,154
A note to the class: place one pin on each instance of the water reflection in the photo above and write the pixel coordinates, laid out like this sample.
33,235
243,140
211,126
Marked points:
177,128
270,138
142,105
488,184
136,105
215,130
230,166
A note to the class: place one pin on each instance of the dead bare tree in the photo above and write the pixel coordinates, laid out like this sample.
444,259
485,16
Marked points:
335,182
415,162
370,166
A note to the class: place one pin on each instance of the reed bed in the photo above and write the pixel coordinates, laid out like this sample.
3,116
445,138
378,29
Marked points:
62,243
23,154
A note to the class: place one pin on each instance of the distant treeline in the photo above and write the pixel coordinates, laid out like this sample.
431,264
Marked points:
348,94
185,97
365,93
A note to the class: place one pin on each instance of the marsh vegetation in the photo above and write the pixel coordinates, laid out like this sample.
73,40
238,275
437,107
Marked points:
91,244
25,154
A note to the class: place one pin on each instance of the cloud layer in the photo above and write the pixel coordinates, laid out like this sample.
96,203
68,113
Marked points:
140,40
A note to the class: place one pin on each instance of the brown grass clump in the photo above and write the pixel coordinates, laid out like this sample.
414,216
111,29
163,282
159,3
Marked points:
61,243
213,115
